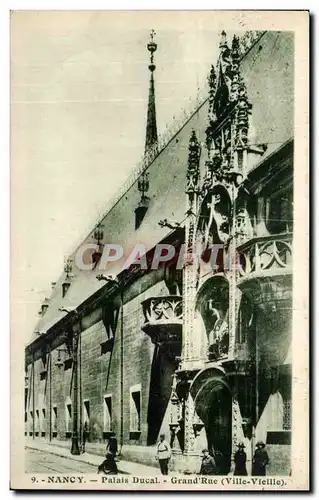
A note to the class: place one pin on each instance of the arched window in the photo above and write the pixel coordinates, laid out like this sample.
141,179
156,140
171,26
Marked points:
279,211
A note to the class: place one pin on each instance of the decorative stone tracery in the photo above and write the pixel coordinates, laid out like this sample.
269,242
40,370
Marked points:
214,215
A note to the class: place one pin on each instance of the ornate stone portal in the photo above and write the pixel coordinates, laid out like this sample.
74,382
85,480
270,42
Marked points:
214,391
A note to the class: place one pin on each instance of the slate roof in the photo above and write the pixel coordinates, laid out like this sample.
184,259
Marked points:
267,71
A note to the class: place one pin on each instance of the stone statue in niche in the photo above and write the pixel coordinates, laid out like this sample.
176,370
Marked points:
214,220
218,337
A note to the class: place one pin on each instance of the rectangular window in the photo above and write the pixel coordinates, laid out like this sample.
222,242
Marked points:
54,419
135,408
280,211
37,421
86,412
107,413
68,418
31,423
43,421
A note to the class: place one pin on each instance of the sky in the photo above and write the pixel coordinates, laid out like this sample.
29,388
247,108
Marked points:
79,89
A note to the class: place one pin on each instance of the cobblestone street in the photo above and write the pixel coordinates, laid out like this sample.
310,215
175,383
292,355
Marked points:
42,457
39,462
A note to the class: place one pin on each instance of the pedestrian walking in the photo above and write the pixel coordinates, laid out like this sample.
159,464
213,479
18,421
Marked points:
240,459
108,466
208,466
163,454
112,444
260,460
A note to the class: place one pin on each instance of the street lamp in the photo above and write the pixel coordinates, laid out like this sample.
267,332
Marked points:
75,449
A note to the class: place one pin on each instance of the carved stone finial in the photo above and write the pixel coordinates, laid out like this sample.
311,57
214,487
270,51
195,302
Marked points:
68,267
193,162
223,40
211,92
223,45
98,233
143,184
151,47
235,53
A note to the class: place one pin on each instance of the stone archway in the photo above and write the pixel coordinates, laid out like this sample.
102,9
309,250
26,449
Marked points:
213,403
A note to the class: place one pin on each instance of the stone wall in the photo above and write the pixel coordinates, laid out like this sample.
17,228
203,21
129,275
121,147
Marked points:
100,374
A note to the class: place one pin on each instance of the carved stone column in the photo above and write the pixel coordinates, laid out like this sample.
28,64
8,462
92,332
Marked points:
175,418
240,434
199,434
234,294
191,455
189,352
190,426
236,422
189,421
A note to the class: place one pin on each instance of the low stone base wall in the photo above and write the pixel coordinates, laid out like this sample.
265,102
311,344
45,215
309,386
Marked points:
146,455
279,459
182,464
140,454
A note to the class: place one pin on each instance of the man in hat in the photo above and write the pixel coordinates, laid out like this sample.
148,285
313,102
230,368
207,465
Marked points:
112,444
240,461
163,454
260,460
208,467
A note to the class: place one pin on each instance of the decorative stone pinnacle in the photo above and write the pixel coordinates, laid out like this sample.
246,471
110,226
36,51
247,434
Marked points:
151,47
223,40
151,127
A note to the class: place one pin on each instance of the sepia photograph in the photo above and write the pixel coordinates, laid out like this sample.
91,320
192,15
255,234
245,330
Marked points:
158,198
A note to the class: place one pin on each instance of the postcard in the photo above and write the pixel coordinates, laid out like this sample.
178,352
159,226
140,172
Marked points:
159,250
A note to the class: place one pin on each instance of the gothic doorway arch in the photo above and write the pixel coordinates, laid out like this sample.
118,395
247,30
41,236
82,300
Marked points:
213,404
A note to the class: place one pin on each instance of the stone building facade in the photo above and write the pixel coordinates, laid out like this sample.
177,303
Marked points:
200,352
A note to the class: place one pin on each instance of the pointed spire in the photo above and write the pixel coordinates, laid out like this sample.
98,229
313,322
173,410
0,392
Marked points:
222,94
151,127
223,46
